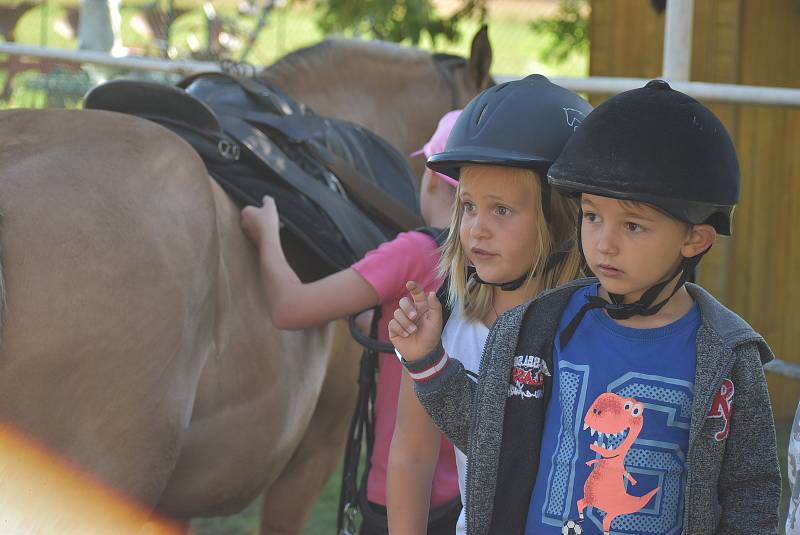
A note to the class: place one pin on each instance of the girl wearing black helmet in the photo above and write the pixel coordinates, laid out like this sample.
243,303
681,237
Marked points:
510,239
656,418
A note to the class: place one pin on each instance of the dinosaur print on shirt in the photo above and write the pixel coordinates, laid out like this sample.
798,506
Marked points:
612,416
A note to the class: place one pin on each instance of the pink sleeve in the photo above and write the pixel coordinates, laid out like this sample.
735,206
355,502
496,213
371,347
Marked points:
410,256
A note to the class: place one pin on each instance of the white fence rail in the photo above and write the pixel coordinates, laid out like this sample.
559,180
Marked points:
101,58
743,94
783,368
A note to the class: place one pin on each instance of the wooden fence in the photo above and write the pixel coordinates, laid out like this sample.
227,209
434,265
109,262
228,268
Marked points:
751,42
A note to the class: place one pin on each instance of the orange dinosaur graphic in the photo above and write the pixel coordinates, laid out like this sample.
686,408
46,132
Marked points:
612,416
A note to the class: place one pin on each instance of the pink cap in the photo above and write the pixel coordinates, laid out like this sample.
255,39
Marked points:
437,142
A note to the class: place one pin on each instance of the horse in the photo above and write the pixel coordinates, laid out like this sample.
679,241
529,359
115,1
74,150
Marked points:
135,341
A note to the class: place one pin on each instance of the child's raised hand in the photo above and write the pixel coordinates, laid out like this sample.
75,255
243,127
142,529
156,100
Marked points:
417,325
261,223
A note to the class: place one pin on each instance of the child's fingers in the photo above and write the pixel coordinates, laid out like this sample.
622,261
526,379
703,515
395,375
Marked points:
407,324
417,294
396,330
410,309
433,302
248,211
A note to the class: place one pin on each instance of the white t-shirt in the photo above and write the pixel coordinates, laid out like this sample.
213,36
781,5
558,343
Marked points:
464,340
793,519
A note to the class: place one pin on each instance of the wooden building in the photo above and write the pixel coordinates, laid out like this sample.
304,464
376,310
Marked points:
748,42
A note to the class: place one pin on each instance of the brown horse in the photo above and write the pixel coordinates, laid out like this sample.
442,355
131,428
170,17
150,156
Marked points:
135,339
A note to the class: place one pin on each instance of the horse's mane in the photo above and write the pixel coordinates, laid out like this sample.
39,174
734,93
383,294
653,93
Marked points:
333,50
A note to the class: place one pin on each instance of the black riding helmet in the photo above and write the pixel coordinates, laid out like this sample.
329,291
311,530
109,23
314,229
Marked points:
524,123
657,146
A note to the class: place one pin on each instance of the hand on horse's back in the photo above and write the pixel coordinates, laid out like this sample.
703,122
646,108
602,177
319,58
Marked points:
261,223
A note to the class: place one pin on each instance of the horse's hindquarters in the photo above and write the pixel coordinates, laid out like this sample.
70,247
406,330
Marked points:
109,256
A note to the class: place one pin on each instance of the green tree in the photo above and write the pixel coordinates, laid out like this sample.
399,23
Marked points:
567,30
395,20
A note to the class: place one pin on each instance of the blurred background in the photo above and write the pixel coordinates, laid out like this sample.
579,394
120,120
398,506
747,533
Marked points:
748,42
526,32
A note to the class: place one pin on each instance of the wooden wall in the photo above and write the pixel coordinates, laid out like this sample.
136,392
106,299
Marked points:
750,42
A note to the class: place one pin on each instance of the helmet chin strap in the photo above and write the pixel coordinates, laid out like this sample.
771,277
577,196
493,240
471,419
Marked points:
644,306
505,286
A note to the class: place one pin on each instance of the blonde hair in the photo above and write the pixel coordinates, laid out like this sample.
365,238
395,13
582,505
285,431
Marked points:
557,236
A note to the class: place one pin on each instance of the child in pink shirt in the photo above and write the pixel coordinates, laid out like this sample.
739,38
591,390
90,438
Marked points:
377,279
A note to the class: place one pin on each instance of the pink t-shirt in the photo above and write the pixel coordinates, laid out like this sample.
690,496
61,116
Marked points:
410,256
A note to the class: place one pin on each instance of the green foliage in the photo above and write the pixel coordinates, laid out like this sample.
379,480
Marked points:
395,20
568,31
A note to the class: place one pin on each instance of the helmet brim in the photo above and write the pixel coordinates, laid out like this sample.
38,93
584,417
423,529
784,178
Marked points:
450,162
695,213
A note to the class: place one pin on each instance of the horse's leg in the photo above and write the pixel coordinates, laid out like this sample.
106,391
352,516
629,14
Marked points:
289,501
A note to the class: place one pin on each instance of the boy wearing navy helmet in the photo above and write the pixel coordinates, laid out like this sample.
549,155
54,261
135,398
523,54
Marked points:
633,402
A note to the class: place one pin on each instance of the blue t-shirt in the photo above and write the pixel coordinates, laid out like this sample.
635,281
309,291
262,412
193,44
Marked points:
619,412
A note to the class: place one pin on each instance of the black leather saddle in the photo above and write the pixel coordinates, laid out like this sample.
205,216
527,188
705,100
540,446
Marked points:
341,190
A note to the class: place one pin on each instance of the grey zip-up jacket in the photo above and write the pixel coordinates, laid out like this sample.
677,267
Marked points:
733,484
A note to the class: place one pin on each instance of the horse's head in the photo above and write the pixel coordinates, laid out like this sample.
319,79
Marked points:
397,92
467,77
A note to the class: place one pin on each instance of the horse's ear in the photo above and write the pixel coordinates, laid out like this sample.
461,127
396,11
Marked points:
480,59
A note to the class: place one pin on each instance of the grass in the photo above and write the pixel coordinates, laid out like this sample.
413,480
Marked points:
322,522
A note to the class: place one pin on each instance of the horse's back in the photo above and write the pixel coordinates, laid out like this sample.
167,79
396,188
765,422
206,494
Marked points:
109,255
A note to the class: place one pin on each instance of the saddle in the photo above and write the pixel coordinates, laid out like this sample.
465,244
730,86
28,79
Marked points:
340,189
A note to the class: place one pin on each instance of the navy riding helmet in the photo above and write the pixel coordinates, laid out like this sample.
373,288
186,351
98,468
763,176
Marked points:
524,123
